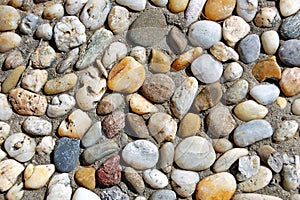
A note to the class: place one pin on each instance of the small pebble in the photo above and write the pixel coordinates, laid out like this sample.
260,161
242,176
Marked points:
4,131
46,145
189,125
250,110
44,31
233,71
271,157
177,40
290,81
250,196
267,69
113,193
113,123
267,17
35,80
248,166
110,103
37,177
37,126
134,179
296,107
109,173
222,145
9,19
223,53
59,187
155,178
118,19
139,53
160,62
290,177
140,105
289,7
43,57
265,94
14,59
246,9
166,156
74,6
54,11
193,11
218,9
187,58
82,193
163,194
92,136
136,126
237,92
10,170
134,5
29,23
184,182
8,41
85,177
12,79
60,84
270,41
60,105
290,27
289,52
115,52
177,6
160,3
249,48
5,108
281,102
15,192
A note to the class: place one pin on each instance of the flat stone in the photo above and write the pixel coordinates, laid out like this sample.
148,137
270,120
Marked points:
290,27
160,62
177,6
163,194
233,71
85,177
37,126
194,153
155,178
166,156
134,180
140,105
93,135
267,17
184,182
249,48
37,176
219,10
110,103
289,7
12,79
250,110
265,94
246,9
223,53
289,52
290,82
270,41
148,29
189,125
54,11
115,52
10,18
59,187
136,126
118,19
134,5
46,145
44,31
5,108
267,69
177,40
82,193
74,6
251,132
60,84
296,107
193,11
237,92
249,196
186,58
8,41
4,131
35,80
10,170
44,56
248,166
60,105
113,193
109,173
113,123
222,145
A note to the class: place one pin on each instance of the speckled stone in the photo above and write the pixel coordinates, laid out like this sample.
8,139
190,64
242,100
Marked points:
219,10
44,56
193,11
46,145
8,41
267,69
35,80
60,84
5,108
9,19
114,123
250,110
10,170
110,103
289,52
290,27
85,177
155,178
37,126
14,59
189,125
249,48
134,179
233,71
290,81
237,92
267,17
285,130
29,23
250,196
109,173
114,193
74,6
296,107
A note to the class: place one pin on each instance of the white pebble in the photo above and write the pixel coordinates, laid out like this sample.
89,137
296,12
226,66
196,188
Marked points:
2,154
137,5
248,166
115,52
15,192
59,187
54,11
83,194
139,53
160,3
118,19
37,126
60,105
155,178
233,71
9,170
296,107
74,6
184,182
46,146
44,31
270,41
246,9
265,94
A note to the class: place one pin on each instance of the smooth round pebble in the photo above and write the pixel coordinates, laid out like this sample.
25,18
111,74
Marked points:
12,79
155,178
289,52
166,156
177,6
118,19
139,53
9,19
160,61
289,7
222,145
60,84
265,94
290,81
113,123
247,9
44,31
140,105
233,71
8,41
218,9
163,194
249,48
250,110
37,126
82,193
160,3
93,135
270,41
74,6
296,107
134,179
237,92
115,52
189,125
54,11
177,40
184,182
136,126
110,103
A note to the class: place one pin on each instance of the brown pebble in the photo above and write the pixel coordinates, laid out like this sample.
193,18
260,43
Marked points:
290,81
267,69
113,123
187,58
12,79
189,125
85,177
160,62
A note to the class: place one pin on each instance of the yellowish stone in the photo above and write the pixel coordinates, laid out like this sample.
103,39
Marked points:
12,80
187,58
177,6
85,177
160,62
61,84
267,69
9,18
281,102
37,177
141,105
219,9
189,125
250,110
8,41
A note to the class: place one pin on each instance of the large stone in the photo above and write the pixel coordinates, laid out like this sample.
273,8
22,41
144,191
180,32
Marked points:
37,177
267,69
290,27
109,173
9,18
219,9
249,48
10,170
289,52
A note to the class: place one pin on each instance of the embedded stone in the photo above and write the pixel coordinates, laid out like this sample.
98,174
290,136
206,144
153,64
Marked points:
219,10
267,69
290,81
60,84
250,110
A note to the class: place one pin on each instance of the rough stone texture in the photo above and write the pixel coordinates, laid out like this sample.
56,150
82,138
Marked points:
237,92
163,194
10,170
290,27
290,81
267,69
37,126
267,17
110,103
59,187
37,176
246,9
109,173
35,80
113,123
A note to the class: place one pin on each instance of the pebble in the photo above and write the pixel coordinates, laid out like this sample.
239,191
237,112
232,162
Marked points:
110,103
10,18
46,145
189,125
208,97
234,29
82,193
4,130
59,187
37,177
136,126
219,10
10,170
28,24
35,80
139,53
220,122
76,125
6,111
222,145
60,84
296,107
251,132
289,7
160,3
270,41
66,153
184,182
290,26
15,192
226,160
233,71
94,13
193,11
177,6
271,157
43,57
115,52
258,181
289,52
189,155
118,19
74,6
113,123
134,180
148,29
290,81
205,33
281,102
127,76
250,110
20,147
14,59
177,40
93,135
184,96
85,177
166,156
109,173
2,155
44,31
37,126
96,45
99,151
265,94
134,5
207,69
155,178
237,92
113,193
140,154
267,17
163,194
187,58
223,53
246,9
217,186
248,166
60,105
69,32
294,197
290,177
12,79
140,105
267,69
54,11
8,41
249,196
160,62
249,48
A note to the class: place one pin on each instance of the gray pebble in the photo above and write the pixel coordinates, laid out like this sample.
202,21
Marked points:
177,40
237,92
44,31
246,9
249,48
166,157
290,27
265,94
134,180
113,193
69,61
163,195
289,52
92,136
136,126
28,24
110,103
37,126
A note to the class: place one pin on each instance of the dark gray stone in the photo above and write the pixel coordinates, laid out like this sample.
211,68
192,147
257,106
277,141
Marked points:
249,48
113,193
289,53
29,23
163,195
290,27
177,40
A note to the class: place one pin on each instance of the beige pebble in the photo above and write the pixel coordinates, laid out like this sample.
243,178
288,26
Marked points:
85,176
177,6
139,53
267,17
222,145
296,107
15,192
8,41
44,56
54,11
160,62
118,19
252,196
281,102
289,7
12,80
250,110
14,59
46,145
35,80
189,125
60,84
223,53
37,177
4,131
270,41
9,18
9,170
141,105
219,9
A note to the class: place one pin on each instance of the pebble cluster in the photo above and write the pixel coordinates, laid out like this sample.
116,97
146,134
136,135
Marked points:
158,99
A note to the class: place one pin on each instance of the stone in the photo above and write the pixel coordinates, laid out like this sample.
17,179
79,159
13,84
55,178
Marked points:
10,170
223,53
160,62
5,108
177,6
109,173
110,103
12,79
140,105
265,94
248,166
160,3
234,29
44,31
233,71
14,59
163,194
184,96
184,182
205,33
294,197
194,153
134,180
193,11
267,69
296,107
250,110
136,126
54,11
60,84
226,160
19,146
74,6
37,176
221,145
162,127
267,17
4,131
249,196
82,193
217,186
237,92
290,82
270,41
155,178
189,125
158,88
127,76
85,177
94,13
289,52
134,5
15,192
288,7
219,10
113,193
258,181
66,152
37,126
140,154
281,102
93,135
187,58
251,132
114,123
8,41
166,156
249,48
29,23
115,52
139,53
44,56
10,18
35,80
59,187
271,158
46,145
148,29
60,105
246,9
290,26
208,97
68,61
177,40
69,32
290,177
118,19
285,130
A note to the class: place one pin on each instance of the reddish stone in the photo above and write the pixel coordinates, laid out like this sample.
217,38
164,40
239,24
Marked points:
109,173
113,123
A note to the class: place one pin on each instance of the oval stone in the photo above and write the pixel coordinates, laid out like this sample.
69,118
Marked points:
265,94
9,18
184,182
219,9
249,48
60,84
290,81
290,27
250,110
8,41
270,41
289,52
